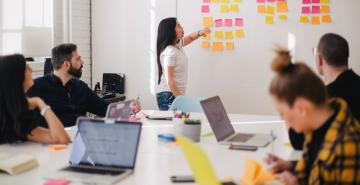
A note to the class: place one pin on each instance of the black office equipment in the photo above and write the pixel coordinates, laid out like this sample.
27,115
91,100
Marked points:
114,82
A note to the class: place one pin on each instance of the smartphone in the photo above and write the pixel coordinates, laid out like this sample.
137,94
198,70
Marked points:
243,147
182,178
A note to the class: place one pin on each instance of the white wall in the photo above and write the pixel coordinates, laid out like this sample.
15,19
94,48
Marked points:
123,36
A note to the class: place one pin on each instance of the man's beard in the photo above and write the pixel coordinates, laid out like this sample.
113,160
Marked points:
75,72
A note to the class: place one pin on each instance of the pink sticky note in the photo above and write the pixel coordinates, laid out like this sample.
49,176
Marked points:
205,9
228,22
305,10
218,23
260,1
239,22
306,1
315,9
57,182
206,1
315,1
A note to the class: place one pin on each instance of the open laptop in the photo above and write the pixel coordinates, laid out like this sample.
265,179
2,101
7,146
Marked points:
119,110
103,152
224,131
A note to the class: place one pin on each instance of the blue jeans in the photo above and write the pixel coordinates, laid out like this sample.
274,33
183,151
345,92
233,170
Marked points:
164,100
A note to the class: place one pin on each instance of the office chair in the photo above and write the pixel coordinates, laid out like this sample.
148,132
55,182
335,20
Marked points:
48,67
187,104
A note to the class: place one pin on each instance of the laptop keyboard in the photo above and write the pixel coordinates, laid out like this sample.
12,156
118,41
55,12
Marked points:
241,137
93,170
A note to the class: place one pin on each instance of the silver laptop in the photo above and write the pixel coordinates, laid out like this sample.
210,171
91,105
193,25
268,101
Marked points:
119,110
224,131
103,152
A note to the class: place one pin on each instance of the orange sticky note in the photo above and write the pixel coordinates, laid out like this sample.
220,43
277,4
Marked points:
270,10
205,44
240,33
304,19
218,34
326,19
282,17
315,20
229,35
224,8
230,46
269,20
261,9
57,147
325,9
217,46
234,8
208,21
281,6
255,174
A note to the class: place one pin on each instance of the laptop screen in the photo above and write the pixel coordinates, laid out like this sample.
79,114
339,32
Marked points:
98,143
217,117
119,110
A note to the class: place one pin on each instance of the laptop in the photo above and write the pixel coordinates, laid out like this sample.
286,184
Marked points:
224,131
119,110
103,152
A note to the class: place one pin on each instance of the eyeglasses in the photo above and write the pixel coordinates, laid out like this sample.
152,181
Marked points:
314,51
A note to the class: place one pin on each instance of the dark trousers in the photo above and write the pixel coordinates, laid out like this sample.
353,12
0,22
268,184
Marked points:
164,100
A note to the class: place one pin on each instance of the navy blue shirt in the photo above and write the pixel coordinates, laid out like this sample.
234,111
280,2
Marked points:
68,102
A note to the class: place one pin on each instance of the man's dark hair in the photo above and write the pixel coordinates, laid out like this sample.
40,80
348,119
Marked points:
60,53
335,49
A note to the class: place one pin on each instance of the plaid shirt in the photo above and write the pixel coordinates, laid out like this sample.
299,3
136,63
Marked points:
338,160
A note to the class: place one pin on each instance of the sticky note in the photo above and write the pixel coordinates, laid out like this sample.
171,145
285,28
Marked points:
229,45
281,6
224,8
269,20
234,8
217,46
237,1
282,17
315,20
229,35
306,1
304,19
256,174
57,147
326,19
270,1
261,9
215,1
305,10
57,182
315,9
206,1
228,22
315,1
218,23
207,36
225,1
325,9
205,44
240,33
260,1
324,1
218,34
208,21
239,21
270,9
205,9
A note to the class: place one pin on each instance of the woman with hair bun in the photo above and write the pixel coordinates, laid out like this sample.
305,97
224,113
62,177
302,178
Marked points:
332,135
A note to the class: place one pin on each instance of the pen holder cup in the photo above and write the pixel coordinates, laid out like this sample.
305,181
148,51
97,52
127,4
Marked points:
192,129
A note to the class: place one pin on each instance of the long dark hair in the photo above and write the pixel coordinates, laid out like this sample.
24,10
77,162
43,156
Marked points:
13,102
166,36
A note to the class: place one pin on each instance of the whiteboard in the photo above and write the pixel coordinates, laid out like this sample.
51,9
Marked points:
241,77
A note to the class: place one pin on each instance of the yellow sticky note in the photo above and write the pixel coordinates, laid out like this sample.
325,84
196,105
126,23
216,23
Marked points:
270,10
229,35
225,1
208,21
240,33
217,46
281,6
304,19
324,1
218,34
326,19
255,174
198,161
269,20
325,9
315,20
282,17
230,46
261,9
205,44
206,36
234,8
237,1
215,1
224,8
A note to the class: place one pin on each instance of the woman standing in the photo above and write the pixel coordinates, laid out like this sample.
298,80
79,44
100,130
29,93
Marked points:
17,123
172,60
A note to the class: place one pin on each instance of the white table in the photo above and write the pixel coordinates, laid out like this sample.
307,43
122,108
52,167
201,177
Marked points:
157,161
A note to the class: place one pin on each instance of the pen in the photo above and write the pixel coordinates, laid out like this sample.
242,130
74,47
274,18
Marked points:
137,99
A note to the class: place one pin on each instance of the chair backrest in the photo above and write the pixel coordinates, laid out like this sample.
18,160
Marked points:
48,67
187,104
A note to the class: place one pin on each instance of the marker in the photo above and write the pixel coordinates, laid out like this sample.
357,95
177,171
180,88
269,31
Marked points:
137,99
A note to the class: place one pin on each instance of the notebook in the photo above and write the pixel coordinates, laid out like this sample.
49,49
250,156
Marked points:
16,164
